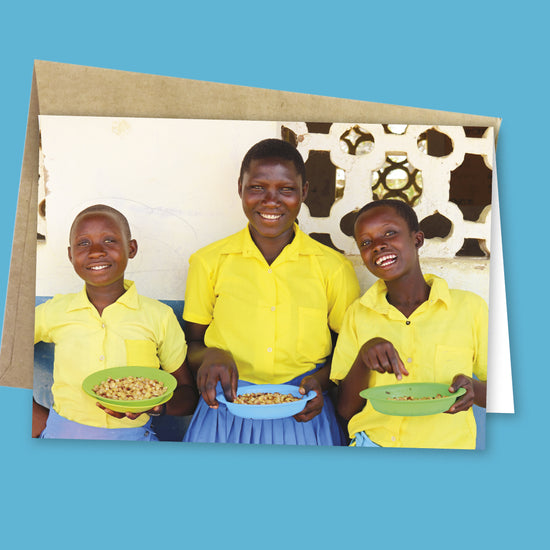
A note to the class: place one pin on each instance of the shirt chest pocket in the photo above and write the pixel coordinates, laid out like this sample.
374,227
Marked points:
452,360
141,353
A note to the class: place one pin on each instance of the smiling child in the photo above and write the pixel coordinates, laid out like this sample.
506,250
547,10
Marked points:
262,307
107,324
408,327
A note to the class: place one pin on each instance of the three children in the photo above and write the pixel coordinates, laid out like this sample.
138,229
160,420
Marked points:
264,306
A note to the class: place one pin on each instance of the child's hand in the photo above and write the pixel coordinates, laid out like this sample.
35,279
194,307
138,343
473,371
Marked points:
217,366
467,400
315,405
130,415
380,355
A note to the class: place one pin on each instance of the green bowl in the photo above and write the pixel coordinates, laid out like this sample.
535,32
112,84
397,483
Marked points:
125,407
382,398
134,406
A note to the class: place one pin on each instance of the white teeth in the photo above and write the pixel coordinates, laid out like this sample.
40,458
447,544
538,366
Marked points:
385,260
98,267
271,216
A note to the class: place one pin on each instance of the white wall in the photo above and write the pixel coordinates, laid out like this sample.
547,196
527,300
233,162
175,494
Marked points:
176,181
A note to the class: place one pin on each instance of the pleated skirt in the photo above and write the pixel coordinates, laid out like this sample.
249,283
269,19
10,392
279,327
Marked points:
220,426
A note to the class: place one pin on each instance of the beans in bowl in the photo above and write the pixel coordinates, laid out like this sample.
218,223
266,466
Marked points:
264,398
130,388
411,398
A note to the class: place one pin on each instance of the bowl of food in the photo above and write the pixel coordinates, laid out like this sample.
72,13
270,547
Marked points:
267,401
414,399
130,389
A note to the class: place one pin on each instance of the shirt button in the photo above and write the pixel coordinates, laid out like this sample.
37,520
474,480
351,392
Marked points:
409,359
102,325
393,438
269,270
101,357
269,350
272,308
408,323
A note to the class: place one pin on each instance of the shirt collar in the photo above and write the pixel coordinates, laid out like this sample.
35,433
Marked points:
375,297
128,299
300,245
439,289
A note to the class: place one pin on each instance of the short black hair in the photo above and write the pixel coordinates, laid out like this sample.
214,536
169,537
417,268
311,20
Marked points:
401,208
274,148
103,208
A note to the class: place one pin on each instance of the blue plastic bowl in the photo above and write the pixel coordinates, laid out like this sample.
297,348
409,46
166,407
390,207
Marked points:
268,412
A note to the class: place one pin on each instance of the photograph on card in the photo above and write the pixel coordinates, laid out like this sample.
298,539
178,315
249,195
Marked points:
265,282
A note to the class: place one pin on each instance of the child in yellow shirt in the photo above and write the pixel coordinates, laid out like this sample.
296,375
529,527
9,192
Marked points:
413,327
107,324
262,307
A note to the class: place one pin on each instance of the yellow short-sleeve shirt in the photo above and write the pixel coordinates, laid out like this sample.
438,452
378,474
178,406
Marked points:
274,319
445,336
134,331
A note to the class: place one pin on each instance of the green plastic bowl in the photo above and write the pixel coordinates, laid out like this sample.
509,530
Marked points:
123,407
381,398
131,405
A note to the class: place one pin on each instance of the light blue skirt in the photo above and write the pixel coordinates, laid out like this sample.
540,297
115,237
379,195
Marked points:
220,426
361,439
59,427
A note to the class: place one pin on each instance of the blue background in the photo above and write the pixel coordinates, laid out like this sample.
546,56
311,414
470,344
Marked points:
486,58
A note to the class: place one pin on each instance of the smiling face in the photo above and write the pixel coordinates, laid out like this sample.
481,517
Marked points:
100,248
272,194
388,247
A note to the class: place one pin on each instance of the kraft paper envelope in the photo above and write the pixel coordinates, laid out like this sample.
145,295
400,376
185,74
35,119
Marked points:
62,89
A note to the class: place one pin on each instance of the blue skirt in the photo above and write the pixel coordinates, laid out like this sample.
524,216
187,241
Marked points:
361,439
220,426
59,427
